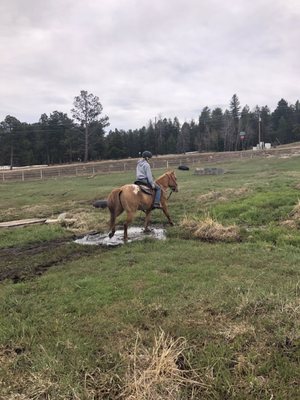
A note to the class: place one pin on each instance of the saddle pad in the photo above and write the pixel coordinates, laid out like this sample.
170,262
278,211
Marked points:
144,188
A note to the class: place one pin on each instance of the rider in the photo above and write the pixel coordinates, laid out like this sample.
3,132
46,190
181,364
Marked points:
144,174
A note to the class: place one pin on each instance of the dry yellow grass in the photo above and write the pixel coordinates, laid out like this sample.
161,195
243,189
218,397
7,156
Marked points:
232,330
81,221
159,373
225,195
37,211
295,213
210,230
28,386
294,218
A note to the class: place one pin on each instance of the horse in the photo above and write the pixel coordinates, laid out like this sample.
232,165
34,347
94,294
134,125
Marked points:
133,197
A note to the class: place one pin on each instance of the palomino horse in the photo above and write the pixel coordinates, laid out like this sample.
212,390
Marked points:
131,198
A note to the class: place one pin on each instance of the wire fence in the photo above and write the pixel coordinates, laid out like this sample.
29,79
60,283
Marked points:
85,169
107,167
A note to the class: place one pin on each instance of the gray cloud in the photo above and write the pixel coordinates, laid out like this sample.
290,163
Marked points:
143,58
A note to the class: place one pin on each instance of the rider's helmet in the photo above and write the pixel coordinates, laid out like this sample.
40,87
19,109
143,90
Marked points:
146,154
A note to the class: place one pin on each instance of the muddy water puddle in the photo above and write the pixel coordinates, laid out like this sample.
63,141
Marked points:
133,235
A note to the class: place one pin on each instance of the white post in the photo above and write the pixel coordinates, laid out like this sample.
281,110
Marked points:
23,176
41,172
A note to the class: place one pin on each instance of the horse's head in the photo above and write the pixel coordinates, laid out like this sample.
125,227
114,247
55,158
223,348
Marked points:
172,181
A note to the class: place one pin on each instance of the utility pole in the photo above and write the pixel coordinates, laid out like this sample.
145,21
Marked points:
155,137
259,133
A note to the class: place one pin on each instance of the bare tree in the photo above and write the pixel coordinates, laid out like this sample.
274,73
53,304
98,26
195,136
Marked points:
87,110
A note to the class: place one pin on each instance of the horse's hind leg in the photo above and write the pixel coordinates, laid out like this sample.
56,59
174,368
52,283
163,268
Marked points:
129,219
115,209
112,224
147,220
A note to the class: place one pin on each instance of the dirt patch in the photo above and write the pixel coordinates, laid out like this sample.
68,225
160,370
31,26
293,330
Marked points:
8,355
22,263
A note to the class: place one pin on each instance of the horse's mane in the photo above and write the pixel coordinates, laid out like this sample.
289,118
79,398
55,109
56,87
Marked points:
163,175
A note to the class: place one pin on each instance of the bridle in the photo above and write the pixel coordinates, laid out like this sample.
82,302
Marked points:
172,187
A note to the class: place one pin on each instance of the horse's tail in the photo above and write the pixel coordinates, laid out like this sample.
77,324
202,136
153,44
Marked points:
113,201
100,204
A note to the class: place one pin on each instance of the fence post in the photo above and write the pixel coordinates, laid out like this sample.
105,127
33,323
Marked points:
3,177
41,173
23,176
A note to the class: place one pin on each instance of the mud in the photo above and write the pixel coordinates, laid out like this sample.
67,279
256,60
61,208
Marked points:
134,234
22,263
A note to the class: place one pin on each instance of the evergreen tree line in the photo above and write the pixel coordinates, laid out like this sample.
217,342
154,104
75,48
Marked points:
57,138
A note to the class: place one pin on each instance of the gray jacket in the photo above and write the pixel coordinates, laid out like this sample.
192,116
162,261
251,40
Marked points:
143,171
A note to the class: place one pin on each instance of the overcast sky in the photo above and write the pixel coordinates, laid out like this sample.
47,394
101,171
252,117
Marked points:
145,58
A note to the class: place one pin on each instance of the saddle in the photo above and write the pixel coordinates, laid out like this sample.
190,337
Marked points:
144,187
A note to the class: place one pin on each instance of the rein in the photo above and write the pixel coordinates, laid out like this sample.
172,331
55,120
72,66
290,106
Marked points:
171,191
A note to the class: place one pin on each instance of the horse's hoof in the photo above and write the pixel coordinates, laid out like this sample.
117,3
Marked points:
171,223
147,230
111,234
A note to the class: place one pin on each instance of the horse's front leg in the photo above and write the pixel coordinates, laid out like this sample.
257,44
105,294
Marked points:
166,212
147,220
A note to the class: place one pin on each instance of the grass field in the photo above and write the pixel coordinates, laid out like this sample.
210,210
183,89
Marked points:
198,316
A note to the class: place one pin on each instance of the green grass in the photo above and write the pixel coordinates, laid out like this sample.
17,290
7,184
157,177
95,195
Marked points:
11,237
69,333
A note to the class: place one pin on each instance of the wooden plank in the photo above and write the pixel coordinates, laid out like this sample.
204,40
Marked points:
60,220
22,222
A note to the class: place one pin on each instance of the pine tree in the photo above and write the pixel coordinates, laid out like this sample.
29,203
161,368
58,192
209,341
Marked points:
235,114
217,125
204,130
